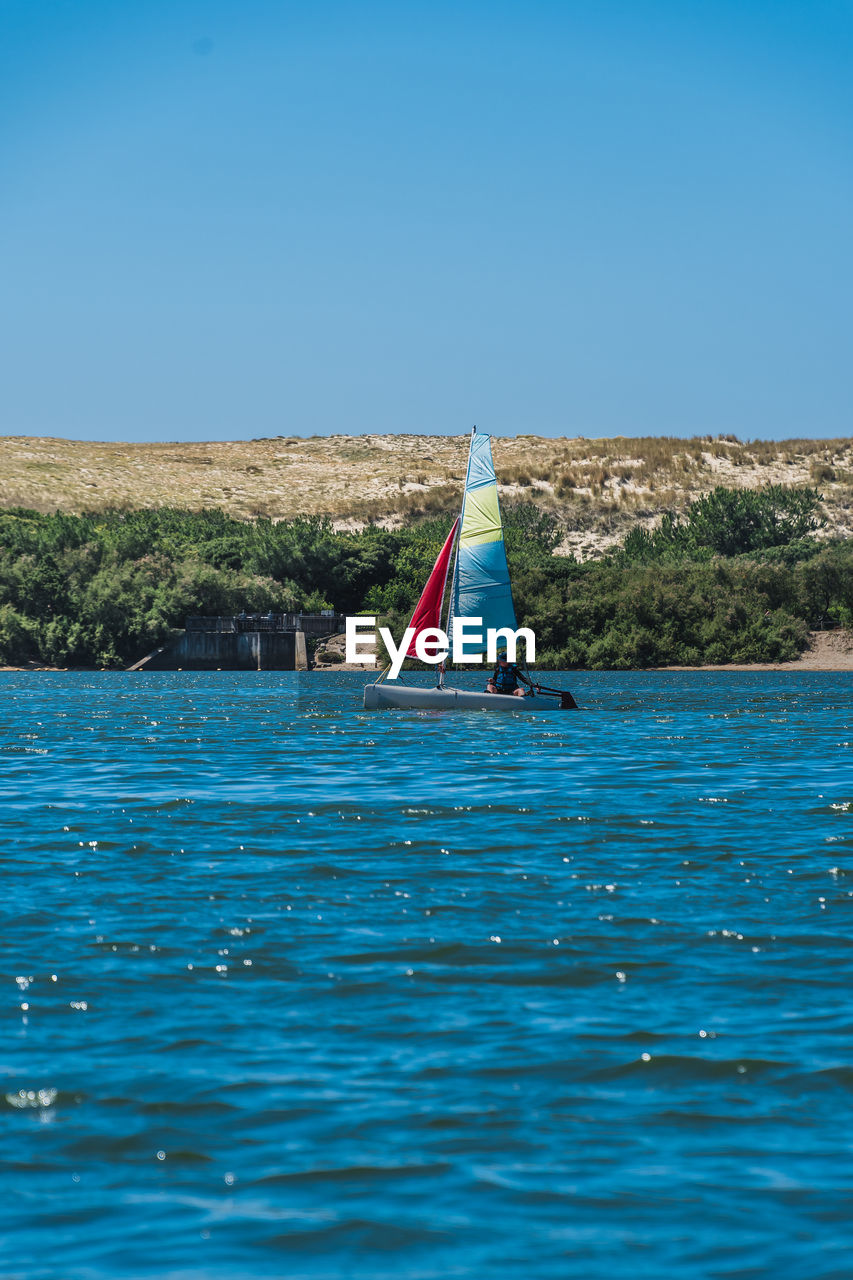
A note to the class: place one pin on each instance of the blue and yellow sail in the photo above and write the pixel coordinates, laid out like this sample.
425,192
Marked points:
481,587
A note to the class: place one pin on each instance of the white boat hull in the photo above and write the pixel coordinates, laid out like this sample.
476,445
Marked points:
387,695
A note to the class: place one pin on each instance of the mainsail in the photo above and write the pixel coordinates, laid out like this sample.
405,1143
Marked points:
428,609
481,586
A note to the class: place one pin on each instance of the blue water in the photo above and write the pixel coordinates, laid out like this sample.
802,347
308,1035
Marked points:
295,990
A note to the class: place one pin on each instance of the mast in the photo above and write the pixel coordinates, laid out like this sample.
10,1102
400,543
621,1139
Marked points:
458,531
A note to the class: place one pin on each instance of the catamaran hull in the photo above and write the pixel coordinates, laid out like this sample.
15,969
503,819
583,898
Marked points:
383,696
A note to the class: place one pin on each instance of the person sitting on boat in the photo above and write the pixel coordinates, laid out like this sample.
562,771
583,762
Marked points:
506,677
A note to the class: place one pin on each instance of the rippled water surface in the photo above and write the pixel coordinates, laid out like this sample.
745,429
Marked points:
296,990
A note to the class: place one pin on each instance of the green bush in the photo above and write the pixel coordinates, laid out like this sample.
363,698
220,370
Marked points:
739,579
16,640
729,522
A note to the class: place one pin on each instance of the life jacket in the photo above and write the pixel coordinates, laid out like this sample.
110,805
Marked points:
505,679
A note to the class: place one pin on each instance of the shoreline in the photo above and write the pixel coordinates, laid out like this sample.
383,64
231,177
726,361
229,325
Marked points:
828,651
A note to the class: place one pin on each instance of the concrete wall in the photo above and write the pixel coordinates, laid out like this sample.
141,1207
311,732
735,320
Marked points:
241,651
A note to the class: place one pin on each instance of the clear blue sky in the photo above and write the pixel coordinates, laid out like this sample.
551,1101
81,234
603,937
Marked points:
226,220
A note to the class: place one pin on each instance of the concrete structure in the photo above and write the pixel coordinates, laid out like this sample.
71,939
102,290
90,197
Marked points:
272,642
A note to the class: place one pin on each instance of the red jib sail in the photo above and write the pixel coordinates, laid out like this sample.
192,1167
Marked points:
428,609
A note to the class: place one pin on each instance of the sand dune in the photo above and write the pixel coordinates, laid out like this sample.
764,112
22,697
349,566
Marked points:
597,488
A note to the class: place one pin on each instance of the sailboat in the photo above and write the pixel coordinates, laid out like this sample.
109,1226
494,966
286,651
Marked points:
480,588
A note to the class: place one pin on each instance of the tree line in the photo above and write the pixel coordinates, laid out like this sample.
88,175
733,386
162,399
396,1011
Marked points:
740,577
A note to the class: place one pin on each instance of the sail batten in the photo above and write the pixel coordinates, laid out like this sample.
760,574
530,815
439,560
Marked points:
481,586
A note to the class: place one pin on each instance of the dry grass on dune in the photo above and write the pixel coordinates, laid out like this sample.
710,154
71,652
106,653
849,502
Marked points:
598,488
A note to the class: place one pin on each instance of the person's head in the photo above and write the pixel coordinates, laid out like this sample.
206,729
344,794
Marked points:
502,658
